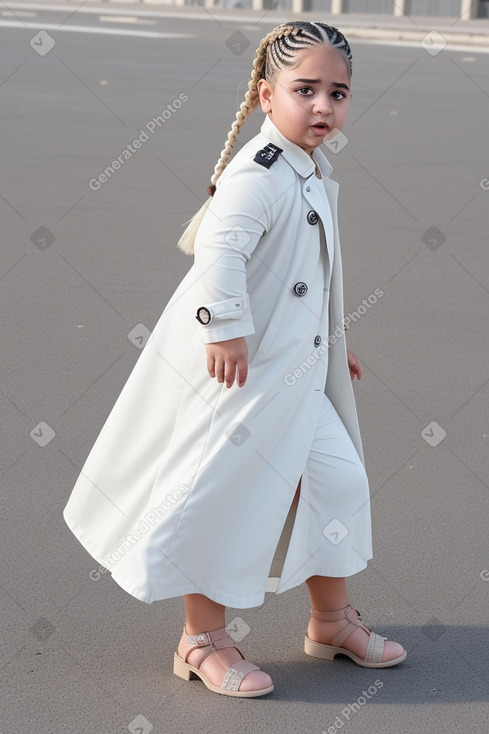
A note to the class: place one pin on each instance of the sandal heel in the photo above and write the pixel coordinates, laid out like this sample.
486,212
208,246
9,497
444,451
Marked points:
182,669
319,650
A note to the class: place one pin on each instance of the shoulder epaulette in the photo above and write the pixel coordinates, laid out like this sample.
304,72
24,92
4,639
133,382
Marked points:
267,155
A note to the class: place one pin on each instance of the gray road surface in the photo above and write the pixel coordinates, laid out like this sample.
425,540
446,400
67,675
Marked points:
85,272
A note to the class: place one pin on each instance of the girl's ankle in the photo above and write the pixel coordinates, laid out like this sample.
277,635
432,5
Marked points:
197,628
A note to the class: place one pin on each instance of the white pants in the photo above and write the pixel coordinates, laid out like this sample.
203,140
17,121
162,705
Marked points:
331,533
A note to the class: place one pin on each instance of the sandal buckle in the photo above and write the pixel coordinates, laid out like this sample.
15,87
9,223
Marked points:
201,639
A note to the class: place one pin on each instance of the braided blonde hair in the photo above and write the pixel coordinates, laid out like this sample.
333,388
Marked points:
277,50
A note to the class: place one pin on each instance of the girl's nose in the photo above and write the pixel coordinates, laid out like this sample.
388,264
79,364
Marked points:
322,104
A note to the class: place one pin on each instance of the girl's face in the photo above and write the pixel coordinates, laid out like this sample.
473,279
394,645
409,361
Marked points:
311,101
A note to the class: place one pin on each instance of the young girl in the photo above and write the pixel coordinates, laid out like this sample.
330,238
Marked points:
233,452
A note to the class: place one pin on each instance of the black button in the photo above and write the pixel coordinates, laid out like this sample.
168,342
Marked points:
312,217
203,315
300,289
317,340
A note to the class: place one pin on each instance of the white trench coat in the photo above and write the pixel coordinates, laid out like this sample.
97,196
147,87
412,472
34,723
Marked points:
189,483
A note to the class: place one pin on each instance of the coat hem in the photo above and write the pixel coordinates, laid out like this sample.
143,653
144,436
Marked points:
153,595
334,572
150,595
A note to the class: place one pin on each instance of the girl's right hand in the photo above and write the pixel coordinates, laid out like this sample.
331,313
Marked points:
227,360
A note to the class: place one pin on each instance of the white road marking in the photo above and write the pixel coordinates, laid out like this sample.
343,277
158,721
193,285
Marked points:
451,46
200,15
416,44
91,29
125,19
20,14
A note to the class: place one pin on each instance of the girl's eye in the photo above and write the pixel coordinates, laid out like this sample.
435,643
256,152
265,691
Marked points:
307,91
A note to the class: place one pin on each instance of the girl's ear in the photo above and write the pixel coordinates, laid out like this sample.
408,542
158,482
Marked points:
265,93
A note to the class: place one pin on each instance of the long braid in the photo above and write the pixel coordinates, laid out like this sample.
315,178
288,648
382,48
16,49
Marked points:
277,50
250,102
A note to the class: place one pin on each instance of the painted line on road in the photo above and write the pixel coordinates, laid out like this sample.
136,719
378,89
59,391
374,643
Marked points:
125,19
150,13
91,29
350,32
416,44
22,14
155,34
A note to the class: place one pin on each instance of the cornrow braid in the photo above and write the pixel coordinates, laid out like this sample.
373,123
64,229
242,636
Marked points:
283,53
279,49
251,98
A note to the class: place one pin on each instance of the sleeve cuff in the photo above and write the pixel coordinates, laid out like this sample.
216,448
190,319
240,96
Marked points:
229,319
232,308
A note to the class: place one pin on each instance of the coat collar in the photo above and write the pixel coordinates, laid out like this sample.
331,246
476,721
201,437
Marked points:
294,154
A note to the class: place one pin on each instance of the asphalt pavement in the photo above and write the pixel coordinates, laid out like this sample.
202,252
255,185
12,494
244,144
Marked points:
87,263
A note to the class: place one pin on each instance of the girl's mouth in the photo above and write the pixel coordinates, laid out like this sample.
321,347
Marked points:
321,127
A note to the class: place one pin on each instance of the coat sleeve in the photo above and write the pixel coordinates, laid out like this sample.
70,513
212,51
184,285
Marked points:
247,201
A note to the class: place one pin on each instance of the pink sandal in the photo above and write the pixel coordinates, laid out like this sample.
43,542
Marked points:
375,647
239,679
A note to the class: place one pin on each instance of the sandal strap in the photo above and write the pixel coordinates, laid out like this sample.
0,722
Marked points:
375,648
214,640
331,616
354,622
208,638
235,674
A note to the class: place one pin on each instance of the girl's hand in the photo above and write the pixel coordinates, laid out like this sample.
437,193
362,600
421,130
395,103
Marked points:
226,358
354,365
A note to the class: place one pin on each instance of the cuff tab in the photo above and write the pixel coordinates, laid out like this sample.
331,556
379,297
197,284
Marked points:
232,308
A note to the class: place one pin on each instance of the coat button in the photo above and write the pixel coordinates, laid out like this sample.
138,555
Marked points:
308,188
300,289
317,340
312,217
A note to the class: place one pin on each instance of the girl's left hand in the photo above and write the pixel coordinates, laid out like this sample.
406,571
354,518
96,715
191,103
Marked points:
354,365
